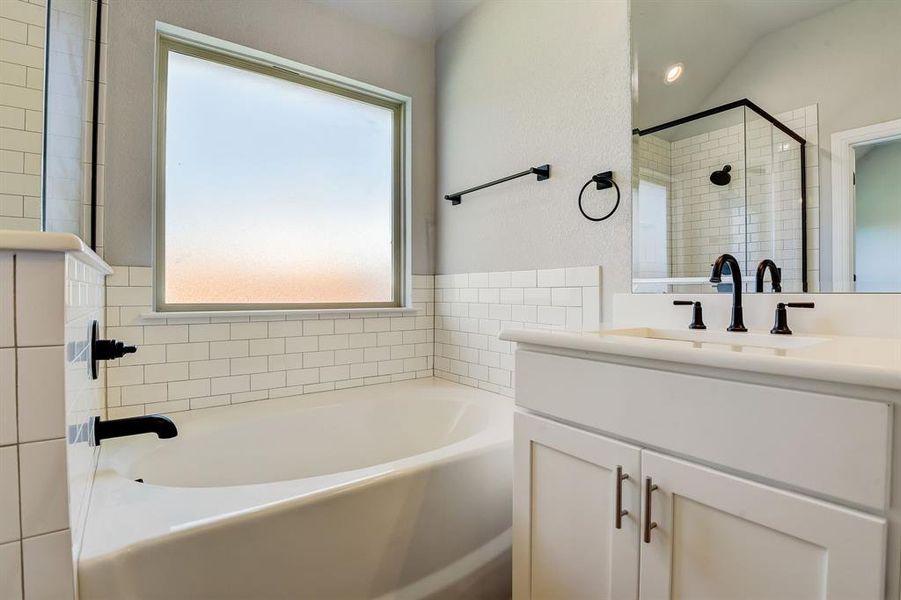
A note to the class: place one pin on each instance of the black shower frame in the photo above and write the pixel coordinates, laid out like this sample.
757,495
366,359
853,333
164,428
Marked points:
745,103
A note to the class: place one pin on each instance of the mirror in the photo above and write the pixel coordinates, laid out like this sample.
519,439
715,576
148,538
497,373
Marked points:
68,167
767,130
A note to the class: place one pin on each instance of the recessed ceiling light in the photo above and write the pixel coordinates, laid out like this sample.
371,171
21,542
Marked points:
673,73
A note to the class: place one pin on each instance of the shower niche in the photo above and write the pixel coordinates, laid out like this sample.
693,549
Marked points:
725,180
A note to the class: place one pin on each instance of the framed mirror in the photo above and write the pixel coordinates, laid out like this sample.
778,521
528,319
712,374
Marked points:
769,131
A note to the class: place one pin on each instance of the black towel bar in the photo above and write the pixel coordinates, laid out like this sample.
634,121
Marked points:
543,172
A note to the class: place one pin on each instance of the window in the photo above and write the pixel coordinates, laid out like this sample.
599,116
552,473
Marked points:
275,189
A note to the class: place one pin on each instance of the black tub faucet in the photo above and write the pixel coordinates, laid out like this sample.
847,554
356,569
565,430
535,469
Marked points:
775,276
162,426
716,274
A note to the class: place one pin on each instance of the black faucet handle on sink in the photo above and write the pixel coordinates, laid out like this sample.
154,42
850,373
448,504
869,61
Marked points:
781,325
697,315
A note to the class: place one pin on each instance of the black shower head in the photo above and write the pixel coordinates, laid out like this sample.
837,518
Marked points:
721,177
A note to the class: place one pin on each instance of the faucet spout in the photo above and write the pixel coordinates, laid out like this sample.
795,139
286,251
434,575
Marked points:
162,426
775,275
716,276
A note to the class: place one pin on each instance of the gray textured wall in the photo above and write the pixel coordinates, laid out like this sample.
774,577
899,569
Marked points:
299,31
521,85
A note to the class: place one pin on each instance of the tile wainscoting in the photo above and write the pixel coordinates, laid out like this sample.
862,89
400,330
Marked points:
186,363
472,308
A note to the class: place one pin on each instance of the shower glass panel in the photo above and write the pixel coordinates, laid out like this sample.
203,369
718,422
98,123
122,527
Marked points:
725,181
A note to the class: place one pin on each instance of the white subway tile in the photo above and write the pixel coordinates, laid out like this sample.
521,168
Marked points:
44,493
551,278
8,416
165,334
41,393
47,566
40,299
232,349
9,494
247,365
241,331
301,344
187,352
265,381
267,346
209,368
11,571
193,388
165,372
207,333
536,296
320,327
229,385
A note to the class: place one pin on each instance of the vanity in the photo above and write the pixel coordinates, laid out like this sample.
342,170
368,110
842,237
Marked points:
663,462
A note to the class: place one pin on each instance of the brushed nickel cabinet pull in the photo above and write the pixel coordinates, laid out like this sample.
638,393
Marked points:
620,513
648,524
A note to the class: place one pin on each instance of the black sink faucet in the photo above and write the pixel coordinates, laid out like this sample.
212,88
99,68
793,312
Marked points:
716,274
162,426
775,276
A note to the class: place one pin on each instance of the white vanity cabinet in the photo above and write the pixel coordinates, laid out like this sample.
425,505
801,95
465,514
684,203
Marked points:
699,531
575,513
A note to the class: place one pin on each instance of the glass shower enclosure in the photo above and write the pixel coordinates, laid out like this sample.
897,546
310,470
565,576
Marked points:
730,179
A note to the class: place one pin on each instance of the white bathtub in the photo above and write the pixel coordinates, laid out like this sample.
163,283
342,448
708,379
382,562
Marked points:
394,491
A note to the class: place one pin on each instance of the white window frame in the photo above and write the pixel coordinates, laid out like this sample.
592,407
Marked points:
170,38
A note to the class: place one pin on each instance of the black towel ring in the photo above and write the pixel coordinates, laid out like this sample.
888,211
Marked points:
604,181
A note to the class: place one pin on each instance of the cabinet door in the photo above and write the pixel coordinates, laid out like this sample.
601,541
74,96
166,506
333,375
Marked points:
568,543
721,536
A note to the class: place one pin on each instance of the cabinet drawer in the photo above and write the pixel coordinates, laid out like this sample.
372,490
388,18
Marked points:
831,445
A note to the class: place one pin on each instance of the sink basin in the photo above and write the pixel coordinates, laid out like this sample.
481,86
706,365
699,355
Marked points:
719,339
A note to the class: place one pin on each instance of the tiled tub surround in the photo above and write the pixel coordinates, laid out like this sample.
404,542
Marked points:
472,308
186,363
46,299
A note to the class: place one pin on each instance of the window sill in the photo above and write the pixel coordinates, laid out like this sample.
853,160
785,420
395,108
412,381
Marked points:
395,310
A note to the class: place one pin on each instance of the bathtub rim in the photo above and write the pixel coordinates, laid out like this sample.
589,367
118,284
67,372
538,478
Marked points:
140,520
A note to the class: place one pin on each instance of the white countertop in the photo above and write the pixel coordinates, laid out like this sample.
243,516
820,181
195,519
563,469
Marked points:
866,361
46,241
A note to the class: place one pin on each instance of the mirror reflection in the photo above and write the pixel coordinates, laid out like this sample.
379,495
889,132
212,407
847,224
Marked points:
783,145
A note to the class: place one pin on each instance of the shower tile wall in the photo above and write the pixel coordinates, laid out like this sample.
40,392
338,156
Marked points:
471,308
21,113
706,221
199,362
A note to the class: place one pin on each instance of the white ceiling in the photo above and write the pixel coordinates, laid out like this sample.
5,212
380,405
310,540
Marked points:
710,38
425,20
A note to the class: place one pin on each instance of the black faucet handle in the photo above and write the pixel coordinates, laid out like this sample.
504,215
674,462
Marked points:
780,326
697,315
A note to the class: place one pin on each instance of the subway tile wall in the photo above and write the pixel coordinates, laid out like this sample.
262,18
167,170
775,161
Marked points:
705,220
472,308
21,112
186,363
85,396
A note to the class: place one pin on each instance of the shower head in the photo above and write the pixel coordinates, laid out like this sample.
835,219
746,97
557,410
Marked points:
721,177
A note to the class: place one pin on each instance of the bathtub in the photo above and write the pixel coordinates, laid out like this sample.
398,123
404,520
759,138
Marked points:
401,490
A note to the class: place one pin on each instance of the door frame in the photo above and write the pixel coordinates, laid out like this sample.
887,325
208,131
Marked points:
843,165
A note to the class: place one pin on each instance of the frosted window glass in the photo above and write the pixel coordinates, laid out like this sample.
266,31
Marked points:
276,192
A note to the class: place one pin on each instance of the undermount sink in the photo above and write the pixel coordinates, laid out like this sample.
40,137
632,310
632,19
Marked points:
713,339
